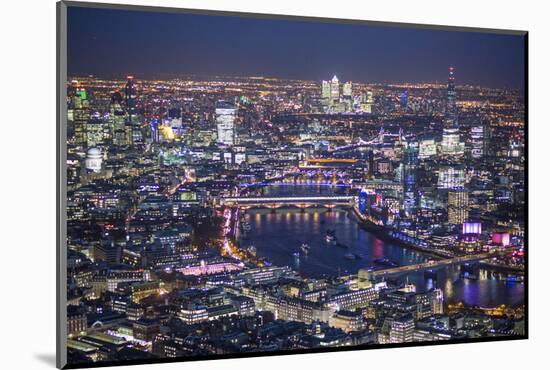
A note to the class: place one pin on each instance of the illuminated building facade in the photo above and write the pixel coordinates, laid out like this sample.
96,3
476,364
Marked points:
225,123
410,173
458,205
81,116
450,177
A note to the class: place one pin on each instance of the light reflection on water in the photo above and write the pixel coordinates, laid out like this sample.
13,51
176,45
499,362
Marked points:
278,235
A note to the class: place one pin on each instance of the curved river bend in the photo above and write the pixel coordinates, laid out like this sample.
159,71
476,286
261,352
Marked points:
278,236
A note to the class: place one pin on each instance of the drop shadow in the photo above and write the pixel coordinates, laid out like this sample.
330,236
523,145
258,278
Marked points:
46,358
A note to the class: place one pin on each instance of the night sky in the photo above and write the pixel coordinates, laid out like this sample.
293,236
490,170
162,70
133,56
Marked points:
115,43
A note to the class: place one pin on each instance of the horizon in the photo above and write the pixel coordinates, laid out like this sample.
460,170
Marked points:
167,44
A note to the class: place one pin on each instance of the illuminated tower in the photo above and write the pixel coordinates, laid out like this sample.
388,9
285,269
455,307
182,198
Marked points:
130,98
133,130
117,119
81,116
410,169
458,206
404,100
225,123
325,91
335,89
450,143
451,111
347,90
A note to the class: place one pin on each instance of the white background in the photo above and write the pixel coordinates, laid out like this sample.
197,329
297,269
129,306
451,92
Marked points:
27,186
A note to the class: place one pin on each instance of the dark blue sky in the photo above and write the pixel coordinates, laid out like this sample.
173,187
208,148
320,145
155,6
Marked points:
114,43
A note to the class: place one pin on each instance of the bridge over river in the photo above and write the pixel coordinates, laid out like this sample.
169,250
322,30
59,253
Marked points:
276,202
365,274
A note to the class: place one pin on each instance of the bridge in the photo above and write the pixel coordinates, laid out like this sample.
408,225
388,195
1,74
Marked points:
276,202
377,139
424,266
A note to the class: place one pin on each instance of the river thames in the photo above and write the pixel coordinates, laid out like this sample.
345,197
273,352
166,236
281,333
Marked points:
278,236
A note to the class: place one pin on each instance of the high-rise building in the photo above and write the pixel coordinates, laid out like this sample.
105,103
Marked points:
410,169
478,136
457,206
450,177
368,101
451,111
325,92
450,143
334,89
427,148
225,123
404,100
131,108
130,98
81,116
347,90
95,131
117,119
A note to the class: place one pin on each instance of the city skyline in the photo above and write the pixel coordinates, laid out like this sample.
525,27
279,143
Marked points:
233,215
288,49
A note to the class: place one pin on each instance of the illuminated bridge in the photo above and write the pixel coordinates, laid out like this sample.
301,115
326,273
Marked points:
425,265
300,202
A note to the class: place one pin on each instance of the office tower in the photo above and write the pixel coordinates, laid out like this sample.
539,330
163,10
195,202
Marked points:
95,134
404,100
325,92
117,119
410,169
347,90
368,101
450,177
334,89
478,136
457,206
225,123
131,108
451,110
427,148
81,116
370,158
450,143
130,98
402,329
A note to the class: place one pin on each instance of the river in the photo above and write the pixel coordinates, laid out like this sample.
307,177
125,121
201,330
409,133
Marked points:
277,236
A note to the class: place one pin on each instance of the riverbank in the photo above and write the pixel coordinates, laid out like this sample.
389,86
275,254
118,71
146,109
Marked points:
382,233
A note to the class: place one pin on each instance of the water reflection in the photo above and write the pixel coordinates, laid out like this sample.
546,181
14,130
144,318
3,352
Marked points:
278,236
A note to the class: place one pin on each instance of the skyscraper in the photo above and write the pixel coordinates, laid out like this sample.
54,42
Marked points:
81,116
117,119
130,98
334,89
325,91
225,123
451,111
347,90
457,206
404,100
478,136
131,108
410,169
450,143
450,177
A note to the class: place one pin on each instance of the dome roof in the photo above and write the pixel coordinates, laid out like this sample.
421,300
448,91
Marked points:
93,152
